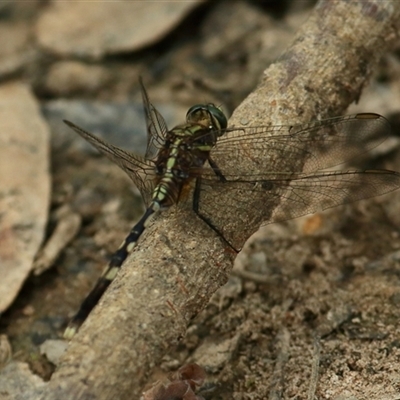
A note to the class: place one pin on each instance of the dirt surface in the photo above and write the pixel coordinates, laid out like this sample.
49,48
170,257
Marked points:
311,308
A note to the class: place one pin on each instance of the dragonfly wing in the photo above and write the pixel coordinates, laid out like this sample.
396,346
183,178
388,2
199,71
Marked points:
135,166
299,148
239,206
156,126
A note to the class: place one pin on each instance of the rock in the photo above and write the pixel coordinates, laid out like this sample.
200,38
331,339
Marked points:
16,379
25,186
68,77
15,51
53,350
85,29
5,351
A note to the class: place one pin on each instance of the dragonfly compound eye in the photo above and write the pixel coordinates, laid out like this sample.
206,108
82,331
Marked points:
209,114
217,114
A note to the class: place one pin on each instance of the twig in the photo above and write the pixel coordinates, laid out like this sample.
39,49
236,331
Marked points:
277,379
314,368
68,224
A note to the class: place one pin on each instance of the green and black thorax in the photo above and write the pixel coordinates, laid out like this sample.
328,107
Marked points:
186,148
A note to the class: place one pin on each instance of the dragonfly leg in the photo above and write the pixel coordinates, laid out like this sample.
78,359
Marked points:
196,200
216,169
110,272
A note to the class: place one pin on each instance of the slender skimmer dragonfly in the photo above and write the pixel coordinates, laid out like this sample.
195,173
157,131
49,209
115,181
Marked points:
206,154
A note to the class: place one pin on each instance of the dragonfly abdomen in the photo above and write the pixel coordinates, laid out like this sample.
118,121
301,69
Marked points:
111,270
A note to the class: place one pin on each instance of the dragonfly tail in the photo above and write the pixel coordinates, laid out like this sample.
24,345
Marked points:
109,273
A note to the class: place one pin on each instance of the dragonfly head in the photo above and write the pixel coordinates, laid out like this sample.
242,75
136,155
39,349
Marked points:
208,115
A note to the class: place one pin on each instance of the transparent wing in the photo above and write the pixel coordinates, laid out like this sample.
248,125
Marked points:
155,124
273,173
236,208
317,145
141,171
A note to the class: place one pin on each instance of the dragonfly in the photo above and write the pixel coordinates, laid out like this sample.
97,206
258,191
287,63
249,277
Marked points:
229,169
